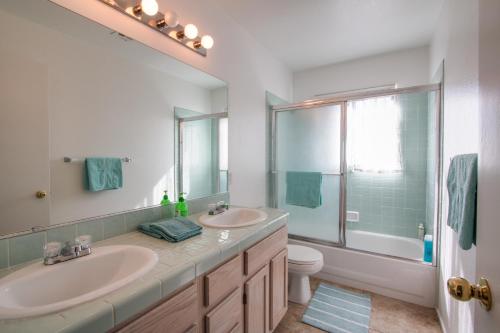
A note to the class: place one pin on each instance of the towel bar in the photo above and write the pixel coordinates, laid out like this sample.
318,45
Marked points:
75,160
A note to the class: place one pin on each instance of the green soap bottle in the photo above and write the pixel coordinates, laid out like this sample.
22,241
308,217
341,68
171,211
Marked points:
165,201
181,208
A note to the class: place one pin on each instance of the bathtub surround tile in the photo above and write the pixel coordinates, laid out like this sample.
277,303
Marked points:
26,248
402,197
63,234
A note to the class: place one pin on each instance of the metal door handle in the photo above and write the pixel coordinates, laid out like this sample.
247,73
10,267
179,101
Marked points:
460,289
41,194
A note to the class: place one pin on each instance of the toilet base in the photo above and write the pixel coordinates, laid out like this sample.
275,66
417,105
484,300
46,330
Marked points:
299,289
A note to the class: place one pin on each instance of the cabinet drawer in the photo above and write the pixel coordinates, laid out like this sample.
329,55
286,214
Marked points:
178,314
223,280
226,317
260,254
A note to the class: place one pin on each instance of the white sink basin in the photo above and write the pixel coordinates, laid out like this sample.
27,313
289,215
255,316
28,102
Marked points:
38,289
233,218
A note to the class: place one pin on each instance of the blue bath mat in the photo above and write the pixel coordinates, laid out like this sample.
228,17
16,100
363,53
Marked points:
337,310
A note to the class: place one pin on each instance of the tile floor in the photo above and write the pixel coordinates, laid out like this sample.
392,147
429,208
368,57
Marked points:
389,315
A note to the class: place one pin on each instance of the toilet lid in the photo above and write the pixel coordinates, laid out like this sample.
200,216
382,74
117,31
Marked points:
303,255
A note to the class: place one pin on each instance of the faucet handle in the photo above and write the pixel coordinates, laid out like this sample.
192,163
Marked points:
222,204
52,249
84,241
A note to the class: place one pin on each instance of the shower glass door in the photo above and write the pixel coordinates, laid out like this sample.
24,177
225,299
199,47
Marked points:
308,143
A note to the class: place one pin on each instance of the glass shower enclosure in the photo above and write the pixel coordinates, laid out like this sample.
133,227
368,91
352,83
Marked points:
378,158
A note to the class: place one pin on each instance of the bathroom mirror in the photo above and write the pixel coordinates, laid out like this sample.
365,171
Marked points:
70,87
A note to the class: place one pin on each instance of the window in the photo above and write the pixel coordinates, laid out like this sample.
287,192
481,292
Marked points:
373,135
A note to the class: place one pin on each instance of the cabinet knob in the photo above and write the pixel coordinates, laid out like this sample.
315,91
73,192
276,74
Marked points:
41,194
460,289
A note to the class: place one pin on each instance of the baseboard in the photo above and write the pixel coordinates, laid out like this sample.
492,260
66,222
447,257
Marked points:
441,323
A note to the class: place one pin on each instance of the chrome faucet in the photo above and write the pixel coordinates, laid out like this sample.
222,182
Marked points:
55,253
218,208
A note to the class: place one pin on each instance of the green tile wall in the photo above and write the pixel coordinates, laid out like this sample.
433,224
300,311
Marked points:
20,249
396,203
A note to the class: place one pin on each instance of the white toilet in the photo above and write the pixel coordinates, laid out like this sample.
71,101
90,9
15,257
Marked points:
302,262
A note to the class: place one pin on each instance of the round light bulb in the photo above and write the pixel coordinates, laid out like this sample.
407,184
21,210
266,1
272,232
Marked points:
207,42
171,19
150,7
191,31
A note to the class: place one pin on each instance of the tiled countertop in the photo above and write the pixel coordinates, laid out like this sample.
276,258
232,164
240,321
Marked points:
179,263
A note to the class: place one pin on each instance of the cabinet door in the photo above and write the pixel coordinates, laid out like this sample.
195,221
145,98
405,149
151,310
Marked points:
257,302
279,288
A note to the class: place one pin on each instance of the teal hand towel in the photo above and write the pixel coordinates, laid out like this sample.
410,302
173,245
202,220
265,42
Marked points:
173,230
103,173
303,189
462,189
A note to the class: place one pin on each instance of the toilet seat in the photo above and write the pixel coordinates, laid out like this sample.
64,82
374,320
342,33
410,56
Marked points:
301,255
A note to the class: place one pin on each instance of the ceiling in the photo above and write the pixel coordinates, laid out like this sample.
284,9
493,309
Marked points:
305,34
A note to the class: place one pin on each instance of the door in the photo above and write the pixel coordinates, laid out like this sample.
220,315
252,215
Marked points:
24,143
308,142
279,288
488,223
257,302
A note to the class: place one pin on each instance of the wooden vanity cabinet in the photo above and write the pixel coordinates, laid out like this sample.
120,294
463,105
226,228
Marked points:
259,275
178,314
246,294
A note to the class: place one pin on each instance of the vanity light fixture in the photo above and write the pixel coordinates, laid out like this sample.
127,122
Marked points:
167,23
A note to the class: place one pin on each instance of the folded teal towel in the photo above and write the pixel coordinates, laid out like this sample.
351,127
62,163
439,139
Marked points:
462,188
103,173
303,189
173,230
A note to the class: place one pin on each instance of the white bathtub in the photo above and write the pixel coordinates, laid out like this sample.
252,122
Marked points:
410,281
404,247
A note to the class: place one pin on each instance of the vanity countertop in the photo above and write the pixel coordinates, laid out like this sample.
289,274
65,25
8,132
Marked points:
178,264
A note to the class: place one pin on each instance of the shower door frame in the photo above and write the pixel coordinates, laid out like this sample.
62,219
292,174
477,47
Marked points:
179,122
342,99
341,174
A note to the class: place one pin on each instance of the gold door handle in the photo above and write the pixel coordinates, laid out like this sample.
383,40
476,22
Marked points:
41,194
459,288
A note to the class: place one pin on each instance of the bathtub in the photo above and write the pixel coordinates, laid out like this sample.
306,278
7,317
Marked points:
408,280
405,247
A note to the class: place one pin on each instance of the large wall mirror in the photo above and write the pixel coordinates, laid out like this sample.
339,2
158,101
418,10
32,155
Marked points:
70,87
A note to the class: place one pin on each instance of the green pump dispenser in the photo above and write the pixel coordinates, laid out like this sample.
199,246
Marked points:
181,208
165,201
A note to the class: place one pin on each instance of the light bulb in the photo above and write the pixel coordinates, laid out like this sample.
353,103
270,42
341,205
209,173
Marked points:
171,19
207,42
191,31
150,7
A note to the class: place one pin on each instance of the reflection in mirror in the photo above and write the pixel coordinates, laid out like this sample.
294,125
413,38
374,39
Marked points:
71,87
201,153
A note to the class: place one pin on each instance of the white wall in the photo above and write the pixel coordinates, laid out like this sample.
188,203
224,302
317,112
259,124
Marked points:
456,41
238,59
406,68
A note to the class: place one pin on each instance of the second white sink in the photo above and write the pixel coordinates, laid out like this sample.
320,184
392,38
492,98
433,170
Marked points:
39,289
233,218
